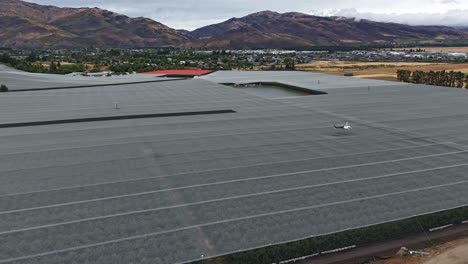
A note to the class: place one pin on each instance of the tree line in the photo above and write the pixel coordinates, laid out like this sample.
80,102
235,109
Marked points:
28,65
438,78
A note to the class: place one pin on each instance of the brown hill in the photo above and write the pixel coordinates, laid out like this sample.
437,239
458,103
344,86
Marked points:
27,25
274,30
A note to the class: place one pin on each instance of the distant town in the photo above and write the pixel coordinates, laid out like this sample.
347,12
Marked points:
123,61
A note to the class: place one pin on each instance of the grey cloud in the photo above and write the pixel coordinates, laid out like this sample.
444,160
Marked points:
449,2
448,18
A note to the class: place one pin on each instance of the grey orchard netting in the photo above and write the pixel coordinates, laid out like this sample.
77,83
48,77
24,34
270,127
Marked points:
174,189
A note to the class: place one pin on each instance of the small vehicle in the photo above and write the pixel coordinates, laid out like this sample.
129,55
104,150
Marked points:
346,126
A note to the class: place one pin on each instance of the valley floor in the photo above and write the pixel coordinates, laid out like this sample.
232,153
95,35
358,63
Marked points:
378,70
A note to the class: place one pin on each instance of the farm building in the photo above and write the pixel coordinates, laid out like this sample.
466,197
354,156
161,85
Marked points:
180,72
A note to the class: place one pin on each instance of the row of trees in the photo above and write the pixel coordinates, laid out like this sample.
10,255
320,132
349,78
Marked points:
289,65
439,78
28,66
21,64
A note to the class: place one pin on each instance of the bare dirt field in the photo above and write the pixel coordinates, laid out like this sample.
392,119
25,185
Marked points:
454,252
377,70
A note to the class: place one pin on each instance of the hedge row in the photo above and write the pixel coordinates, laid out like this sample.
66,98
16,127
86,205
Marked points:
359,237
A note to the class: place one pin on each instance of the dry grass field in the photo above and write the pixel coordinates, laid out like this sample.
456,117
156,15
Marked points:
88,66
377,70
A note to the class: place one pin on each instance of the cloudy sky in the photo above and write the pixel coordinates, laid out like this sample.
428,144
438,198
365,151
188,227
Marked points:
191,14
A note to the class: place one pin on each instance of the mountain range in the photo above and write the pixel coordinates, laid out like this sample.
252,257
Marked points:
28,25
271,29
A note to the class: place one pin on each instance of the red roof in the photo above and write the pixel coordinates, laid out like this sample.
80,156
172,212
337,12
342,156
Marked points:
180,72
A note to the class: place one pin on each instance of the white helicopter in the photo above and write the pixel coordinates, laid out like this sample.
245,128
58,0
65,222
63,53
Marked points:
346,126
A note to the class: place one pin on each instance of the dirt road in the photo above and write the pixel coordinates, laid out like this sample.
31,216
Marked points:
373,252
455,253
